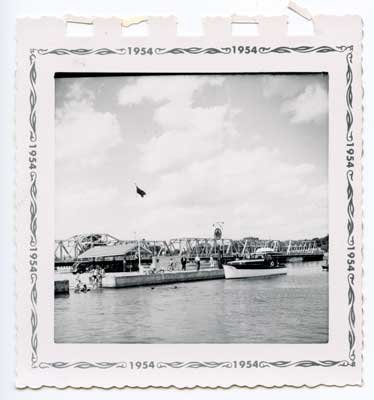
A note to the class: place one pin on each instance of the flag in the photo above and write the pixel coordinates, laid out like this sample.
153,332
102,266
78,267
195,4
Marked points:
140,192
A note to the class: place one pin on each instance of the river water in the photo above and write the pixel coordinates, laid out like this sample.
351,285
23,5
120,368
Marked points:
292,308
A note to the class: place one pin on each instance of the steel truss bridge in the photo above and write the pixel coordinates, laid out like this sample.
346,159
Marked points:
67,251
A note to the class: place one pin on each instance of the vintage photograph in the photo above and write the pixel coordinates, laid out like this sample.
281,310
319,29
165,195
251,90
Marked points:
191,208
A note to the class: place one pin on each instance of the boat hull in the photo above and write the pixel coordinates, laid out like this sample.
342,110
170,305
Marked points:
235,273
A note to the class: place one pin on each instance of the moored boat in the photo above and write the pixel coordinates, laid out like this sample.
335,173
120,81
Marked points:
257,265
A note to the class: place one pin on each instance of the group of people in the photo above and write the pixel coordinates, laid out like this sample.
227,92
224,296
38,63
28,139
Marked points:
172,264
96,277
212,263
197,262
95,280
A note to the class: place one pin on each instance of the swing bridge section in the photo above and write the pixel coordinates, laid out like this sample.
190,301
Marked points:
67,251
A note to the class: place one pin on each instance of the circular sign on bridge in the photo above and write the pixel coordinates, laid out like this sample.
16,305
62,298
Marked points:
217,233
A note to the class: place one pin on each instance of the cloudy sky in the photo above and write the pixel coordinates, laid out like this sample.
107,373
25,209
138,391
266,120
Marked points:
249,150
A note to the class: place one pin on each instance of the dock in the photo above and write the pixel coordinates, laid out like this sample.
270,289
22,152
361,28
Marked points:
62,287
124,280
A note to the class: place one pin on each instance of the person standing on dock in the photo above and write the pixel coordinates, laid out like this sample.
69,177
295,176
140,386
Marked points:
184,262
171,265
157,264
219,260
197,261
211,262
78,282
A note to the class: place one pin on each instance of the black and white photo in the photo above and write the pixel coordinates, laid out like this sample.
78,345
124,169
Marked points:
191,208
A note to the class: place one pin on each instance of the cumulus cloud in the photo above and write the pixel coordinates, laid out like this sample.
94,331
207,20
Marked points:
199,135
201,164
83,135
232,176
310,105
303,103
190,133
200,177
251,190
169,87
283,86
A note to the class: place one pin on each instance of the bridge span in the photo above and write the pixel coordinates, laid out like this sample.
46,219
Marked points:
67,251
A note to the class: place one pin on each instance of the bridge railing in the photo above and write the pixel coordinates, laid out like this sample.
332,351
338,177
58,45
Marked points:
68,250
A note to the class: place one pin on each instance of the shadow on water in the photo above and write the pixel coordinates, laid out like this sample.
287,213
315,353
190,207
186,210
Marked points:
62,295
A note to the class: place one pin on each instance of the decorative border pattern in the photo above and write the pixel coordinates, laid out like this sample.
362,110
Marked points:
82,365
260,364
348,50
194,364
33,249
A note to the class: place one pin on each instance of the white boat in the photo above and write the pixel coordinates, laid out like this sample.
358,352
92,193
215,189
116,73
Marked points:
257,265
